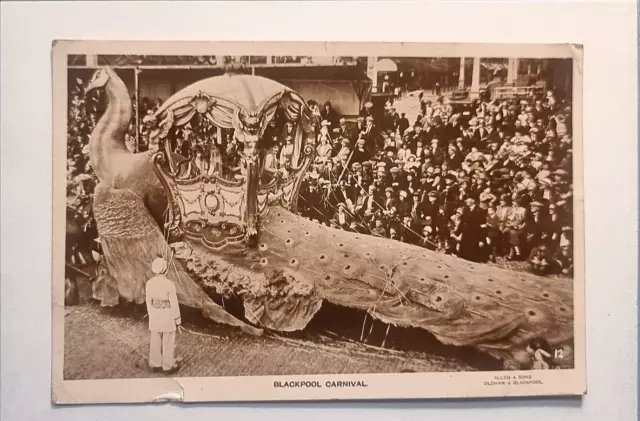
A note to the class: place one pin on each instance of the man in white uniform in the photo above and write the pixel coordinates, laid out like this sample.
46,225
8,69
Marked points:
164,316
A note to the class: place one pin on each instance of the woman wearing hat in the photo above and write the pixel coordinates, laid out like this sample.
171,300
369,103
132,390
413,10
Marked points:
324,149
389,201
164,317
360,154
341,218
329,114
286,153
345,151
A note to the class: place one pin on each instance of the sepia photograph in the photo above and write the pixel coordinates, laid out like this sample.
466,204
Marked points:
309,222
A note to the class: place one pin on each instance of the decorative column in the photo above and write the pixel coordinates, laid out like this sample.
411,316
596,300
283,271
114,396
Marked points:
92,60
475,77
372,72
461,76
512,71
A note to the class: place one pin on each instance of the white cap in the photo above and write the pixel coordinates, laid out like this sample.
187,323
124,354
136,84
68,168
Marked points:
159,266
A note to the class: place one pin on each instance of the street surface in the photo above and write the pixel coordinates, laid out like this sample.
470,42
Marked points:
102,343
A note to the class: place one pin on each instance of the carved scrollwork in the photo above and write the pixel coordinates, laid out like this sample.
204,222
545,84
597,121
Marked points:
166,124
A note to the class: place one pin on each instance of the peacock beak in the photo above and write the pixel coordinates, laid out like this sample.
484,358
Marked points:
90,87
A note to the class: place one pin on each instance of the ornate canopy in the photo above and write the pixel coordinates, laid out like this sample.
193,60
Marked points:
220,98
246,104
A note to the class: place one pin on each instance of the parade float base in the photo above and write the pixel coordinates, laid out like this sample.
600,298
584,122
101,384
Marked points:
299,264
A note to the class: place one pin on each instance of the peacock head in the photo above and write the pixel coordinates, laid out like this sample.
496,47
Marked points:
98,80
247,131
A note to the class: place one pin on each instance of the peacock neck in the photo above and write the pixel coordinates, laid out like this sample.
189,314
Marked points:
107,138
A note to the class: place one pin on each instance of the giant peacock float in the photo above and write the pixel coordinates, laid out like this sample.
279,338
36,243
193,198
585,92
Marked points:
241,237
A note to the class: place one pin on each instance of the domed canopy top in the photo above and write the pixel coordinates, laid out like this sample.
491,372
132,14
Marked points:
233,101
246,91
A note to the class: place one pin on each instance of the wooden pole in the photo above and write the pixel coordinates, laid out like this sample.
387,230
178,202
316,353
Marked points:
137,97
461,74
475,79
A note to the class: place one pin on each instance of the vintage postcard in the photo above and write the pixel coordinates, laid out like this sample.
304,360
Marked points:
310,221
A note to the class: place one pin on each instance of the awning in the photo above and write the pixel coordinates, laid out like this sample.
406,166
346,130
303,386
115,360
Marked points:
324,73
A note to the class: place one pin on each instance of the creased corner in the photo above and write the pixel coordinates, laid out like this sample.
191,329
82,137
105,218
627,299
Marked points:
61,395
176,395
577,52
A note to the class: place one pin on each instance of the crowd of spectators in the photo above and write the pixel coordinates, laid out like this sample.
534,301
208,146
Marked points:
485,180
81,180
